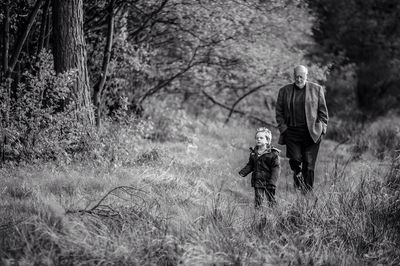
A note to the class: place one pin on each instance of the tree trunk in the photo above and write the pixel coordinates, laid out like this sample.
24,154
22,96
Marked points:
6,37
5,113
43,27
22,37
97,93
69,51
48,32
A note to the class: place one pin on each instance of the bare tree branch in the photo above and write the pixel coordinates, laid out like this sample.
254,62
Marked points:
237,111
161,84
22,38
43,26
106,59
104,210
245,95
149,18
6,37
241,98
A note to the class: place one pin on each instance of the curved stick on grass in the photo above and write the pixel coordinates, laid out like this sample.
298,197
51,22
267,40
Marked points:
102,209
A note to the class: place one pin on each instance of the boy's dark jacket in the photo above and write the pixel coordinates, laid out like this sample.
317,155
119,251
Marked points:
266,168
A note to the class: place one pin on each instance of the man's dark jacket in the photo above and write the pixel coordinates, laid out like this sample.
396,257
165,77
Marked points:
315,109
266,168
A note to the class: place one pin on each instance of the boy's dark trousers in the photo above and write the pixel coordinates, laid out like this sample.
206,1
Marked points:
261,193
302,152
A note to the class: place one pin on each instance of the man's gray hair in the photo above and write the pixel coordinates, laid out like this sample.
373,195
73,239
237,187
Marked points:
301,67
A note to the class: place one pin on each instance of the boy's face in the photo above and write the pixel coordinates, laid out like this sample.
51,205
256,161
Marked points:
261,139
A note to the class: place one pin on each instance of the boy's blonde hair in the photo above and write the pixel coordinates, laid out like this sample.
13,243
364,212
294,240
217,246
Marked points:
265,130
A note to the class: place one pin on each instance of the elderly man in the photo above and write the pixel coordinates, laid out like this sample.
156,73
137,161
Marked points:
302,118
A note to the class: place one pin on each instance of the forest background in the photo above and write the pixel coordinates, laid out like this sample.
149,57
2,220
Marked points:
124,98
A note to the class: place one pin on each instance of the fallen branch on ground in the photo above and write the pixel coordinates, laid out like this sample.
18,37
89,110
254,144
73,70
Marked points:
105,210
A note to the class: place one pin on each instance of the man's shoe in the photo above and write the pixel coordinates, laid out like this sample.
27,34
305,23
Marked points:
300,177
298,180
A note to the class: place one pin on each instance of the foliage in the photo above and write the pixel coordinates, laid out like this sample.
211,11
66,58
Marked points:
179,48
343,130
388,141
341,97
42,118
183,48
168,123
157,185
380,137
43,125
126,139
364,33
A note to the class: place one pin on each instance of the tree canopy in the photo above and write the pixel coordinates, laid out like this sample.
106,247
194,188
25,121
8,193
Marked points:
367,34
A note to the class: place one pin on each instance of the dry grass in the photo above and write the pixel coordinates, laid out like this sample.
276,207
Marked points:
183,203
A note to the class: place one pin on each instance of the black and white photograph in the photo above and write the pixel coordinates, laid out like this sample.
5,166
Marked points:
200,132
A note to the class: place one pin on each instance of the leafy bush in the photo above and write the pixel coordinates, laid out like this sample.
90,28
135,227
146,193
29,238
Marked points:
168,123
342,131
118,142
387,141
340,91
393,177
149,157
380,137
361,145
383,136
42,122
129,68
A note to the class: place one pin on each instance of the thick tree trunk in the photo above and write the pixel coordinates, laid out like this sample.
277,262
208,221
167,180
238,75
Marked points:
70,51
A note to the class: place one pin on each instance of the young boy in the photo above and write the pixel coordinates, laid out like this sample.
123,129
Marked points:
265,165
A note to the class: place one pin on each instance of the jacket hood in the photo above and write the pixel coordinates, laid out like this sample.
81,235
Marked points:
268,150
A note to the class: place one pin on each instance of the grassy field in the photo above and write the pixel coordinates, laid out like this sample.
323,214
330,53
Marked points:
182,202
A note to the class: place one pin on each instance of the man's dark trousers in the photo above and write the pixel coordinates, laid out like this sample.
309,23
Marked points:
302,152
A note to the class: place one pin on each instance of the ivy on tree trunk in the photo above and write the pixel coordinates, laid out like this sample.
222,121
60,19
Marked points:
69,51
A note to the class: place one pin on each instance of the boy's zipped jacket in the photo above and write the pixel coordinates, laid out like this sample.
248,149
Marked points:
265,168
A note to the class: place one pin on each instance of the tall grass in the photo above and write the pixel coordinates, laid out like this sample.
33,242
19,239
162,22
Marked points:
183,203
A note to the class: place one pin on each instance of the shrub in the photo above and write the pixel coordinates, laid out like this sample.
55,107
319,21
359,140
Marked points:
361,145
119,142
149,157
344,130
42,122
387,141
169,124
380,137
393,176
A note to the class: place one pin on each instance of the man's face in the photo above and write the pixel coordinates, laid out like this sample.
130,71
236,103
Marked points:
300,77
